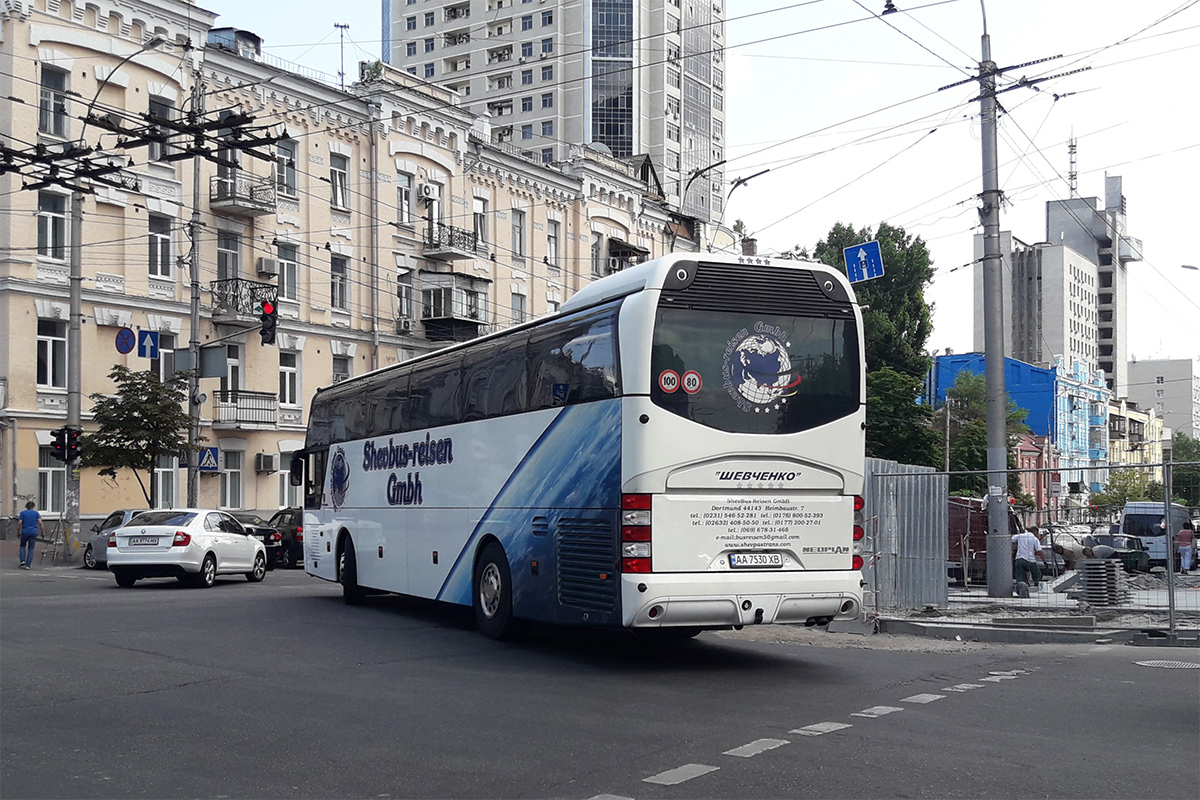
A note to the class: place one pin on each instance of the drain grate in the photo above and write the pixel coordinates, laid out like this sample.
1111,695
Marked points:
1167,664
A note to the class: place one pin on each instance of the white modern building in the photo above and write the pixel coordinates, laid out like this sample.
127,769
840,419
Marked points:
1065,297
1171,387
640,78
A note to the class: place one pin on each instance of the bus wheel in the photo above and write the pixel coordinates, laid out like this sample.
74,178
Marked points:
352,593
493,594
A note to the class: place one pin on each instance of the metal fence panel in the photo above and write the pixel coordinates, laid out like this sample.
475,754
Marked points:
906,512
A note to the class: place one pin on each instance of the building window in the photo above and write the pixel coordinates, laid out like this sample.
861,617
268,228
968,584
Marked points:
547,18
164,365
231,478
338,283
52,109
527,23
526,77
52,226
547,155
339,181
518,232
404,198
289,496
289,378
404,295
341,368
597,255
410,48
480,217
228,256
526,131
548,100
289,271
518,308
547,128
52,482
52,353
547,73
166,471
410,23
526,49
428,18
429,71
527,104
285,167
1159,379
159,108
547,45
429,45
553,230
160,246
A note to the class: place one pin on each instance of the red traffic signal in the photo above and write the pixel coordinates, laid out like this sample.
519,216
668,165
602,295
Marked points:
268,316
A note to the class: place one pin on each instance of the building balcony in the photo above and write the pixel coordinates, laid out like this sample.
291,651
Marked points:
241,195
239,408
1098,421
451,327
235,301
447,243
1098,453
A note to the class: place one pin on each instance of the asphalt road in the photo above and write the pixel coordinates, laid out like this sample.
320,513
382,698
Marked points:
279,690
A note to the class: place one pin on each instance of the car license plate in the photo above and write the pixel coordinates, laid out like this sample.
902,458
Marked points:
143,541
750,560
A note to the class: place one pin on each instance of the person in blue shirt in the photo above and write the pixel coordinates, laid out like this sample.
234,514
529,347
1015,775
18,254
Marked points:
31,526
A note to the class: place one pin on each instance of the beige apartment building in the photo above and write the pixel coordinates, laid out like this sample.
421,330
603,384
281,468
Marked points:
385,222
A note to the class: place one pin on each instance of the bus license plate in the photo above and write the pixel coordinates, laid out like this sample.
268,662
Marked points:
136,541
751,560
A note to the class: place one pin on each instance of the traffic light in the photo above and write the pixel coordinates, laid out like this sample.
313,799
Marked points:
58,443
268,315
72,444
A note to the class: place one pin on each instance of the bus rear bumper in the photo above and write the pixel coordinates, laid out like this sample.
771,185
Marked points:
697,600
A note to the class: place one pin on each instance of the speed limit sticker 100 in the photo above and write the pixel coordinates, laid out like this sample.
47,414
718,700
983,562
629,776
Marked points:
668,380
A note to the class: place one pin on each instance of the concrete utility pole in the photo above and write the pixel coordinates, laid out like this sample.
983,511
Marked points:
195,114
999,555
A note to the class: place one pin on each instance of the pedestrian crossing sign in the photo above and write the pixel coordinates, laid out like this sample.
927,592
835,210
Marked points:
208,459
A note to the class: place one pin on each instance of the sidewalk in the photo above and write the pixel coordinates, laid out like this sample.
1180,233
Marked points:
11,547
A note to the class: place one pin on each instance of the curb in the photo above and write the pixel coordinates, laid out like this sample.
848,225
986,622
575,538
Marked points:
1025,635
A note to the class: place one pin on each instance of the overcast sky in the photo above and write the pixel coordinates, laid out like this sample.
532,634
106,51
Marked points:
844,110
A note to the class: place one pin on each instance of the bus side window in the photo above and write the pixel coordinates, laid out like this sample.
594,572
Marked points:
574,363
434,395
314,487
494,379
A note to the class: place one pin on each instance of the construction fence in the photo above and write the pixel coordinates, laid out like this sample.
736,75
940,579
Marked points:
1109,543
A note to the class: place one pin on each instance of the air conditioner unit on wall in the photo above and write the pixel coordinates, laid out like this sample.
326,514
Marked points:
266,462
405,325
268,266
428,191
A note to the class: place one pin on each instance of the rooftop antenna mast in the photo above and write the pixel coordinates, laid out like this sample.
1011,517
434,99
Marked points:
342,28
1073,173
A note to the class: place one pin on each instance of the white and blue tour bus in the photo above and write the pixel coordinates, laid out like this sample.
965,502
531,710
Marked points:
680,447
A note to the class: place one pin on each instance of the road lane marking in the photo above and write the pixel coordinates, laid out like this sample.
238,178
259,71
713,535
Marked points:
998,678
963,687
609,797
821,728
874,712
680,774
923,698
756,747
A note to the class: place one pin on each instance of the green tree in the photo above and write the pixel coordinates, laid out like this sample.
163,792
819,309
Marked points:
1125,485
897,325
966,403
142,421
1185,475
898,426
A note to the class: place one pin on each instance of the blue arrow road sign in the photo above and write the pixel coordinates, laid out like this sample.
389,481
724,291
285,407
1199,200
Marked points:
148,344
126,341
863,261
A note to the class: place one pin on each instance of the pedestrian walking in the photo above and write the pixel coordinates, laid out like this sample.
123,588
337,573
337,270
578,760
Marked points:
1187,547
31,527
1029,553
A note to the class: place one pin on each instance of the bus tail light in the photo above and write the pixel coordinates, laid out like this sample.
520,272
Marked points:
181,539
635,533
857,563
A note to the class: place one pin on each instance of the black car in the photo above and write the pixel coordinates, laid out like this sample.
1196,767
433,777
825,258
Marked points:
253,522
289,522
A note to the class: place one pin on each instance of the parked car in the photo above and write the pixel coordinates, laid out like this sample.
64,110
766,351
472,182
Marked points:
193,545
96,554
1131,550
290,524
271,538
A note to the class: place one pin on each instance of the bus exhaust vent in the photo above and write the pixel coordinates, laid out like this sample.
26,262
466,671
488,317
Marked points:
586,555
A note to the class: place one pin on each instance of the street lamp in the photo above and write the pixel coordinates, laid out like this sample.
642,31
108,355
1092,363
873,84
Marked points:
74,336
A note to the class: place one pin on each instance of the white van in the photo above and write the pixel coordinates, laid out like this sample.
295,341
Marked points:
1145,519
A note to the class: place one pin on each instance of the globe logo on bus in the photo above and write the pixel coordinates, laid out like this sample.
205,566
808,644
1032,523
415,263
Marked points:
758,370
339,478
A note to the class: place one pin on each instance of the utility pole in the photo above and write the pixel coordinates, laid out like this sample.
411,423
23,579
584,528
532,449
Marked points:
195,113
342,28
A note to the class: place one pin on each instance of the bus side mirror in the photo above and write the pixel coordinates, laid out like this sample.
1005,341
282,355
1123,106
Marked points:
296,472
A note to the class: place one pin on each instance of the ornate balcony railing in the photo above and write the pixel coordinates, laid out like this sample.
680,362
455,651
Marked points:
450,243
238,297
242,407
242,195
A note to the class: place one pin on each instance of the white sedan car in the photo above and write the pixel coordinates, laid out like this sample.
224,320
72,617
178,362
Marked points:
190,544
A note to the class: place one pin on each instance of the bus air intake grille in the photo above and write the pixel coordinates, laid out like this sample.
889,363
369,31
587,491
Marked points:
585,550
783,291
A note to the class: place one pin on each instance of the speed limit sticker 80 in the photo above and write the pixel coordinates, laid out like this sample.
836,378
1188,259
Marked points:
691,381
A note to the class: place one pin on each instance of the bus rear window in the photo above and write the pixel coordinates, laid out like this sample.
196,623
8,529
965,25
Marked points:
754,373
